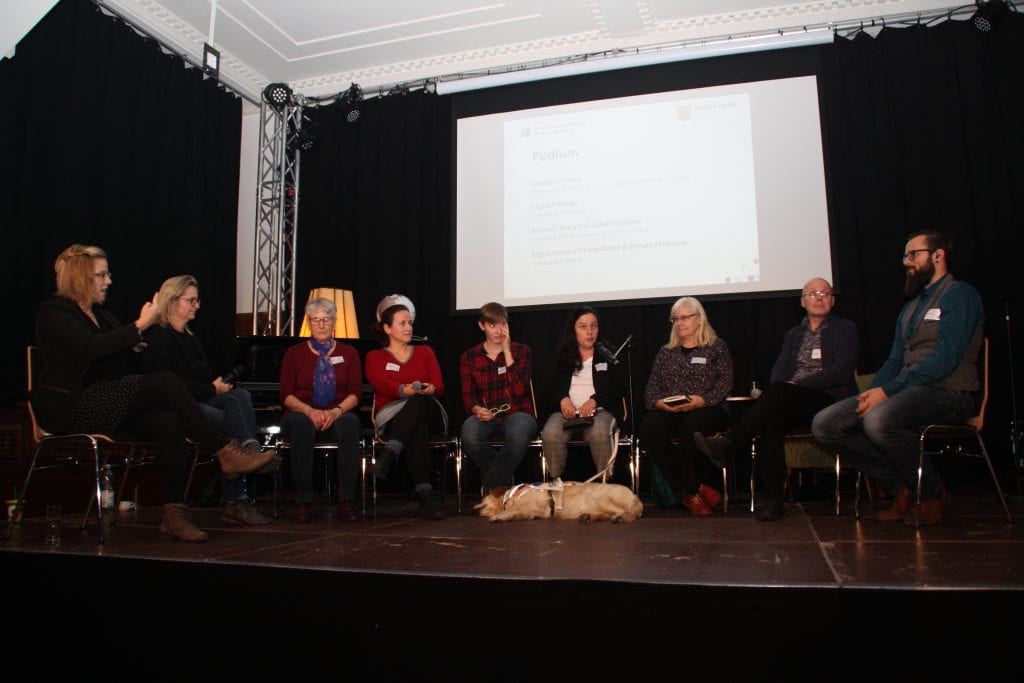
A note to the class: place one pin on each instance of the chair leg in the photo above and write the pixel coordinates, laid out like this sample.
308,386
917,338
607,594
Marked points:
856,497
458,477
725,490
837,485
995,479
753,471
21,493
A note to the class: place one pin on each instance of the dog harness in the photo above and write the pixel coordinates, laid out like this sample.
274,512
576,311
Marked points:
556,486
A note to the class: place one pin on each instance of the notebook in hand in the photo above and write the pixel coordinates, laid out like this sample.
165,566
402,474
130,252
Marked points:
677,400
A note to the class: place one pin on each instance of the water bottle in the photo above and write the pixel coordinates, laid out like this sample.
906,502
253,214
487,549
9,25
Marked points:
107,488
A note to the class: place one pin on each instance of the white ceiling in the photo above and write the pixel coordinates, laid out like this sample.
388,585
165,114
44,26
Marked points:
320,47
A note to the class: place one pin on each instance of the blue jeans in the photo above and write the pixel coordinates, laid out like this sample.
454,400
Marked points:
498,468
299,430
233,415
884,444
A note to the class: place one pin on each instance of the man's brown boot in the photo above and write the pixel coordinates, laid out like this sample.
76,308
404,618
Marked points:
178,523
236,459
901,504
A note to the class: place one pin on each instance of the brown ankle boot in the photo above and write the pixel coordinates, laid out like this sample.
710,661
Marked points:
178,523
901,504
236,459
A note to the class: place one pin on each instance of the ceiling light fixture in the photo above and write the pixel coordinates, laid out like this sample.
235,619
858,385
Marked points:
704,49
989,15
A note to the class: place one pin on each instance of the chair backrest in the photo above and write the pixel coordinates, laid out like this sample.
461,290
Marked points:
981,397
32,364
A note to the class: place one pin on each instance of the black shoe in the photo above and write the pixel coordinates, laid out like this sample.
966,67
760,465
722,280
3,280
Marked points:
428,509
718,448
771,511
379,468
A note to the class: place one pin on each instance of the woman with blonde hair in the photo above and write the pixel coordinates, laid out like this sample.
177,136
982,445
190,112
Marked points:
84,383
686,392
171,346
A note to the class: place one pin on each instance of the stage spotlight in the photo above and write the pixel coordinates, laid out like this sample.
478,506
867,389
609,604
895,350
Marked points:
305,141
351,103
989,15
277,95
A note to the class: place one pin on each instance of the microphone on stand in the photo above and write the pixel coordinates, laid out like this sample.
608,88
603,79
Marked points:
624,346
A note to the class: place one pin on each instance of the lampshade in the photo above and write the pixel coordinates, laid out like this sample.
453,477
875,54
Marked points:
346,326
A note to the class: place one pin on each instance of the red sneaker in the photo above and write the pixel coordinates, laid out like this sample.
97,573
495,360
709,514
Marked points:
697,505
710,495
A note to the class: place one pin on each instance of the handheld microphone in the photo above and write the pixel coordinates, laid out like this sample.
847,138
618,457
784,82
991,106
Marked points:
417,385
606,354
232,376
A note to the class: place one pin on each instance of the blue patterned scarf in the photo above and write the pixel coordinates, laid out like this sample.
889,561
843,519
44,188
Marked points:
325,382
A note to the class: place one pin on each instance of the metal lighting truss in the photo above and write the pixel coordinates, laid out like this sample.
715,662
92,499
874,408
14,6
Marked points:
277,213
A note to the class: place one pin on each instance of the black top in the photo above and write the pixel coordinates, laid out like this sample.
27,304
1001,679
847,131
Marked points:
74,353
181,353
609,387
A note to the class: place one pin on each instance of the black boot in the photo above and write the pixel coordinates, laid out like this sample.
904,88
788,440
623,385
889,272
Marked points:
717,447
428,509
771,511
379,468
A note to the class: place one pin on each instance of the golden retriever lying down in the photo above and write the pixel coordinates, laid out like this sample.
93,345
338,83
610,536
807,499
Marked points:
587,502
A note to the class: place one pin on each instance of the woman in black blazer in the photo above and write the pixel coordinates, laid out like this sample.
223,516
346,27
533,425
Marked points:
582,385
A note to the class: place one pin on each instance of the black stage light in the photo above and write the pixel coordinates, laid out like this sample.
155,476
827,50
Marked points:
211,60
989,15
351,102
305,141
277,95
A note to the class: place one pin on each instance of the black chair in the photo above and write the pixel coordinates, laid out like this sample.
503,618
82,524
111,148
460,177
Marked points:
57,450
952,436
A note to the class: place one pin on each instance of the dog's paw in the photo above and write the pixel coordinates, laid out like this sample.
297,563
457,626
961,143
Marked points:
585,518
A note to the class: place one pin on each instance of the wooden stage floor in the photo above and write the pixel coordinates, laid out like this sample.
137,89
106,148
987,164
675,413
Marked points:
395,584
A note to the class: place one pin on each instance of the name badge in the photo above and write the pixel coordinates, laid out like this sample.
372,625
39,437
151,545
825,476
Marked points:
337,359
502,369
600,367
933,314
392,367
816,354
699,360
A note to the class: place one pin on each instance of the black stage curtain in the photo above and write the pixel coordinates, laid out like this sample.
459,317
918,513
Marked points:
106,140
920,126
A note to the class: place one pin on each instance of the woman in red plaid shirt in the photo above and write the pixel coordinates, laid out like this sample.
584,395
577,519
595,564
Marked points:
497,394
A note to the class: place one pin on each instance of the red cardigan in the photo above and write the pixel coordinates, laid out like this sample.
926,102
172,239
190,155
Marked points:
297,374
386,374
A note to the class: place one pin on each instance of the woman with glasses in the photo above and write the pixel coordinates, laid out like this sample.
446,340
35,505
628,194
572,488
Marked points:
171,346
321,388
85,384
407,382
497,395
584,393
686,392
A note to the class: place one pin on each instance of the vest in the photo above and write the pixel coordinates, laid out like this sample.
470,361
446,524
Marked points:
921,341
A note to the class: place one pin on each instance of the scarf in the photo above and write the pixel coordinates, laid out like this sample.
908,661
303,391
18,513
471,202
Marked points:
325,382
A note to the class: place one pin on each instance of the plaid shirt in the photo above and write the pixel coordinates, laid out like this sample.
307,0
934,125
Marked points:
489,384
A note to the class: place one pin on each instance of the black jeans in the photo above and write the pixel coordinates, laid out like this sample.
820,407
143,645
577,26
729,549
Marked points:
782,406
413,426
685,468
165,412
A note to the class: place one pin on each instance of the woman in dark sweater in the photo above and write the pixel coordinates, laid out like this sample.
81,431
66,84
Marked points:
695,364
171,346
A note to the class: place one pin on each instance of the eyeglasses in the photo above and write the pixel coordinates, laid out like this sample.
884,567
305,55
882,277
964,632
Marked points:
103,275
817,294
682,318
321,321
912,254
501,409
191,301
